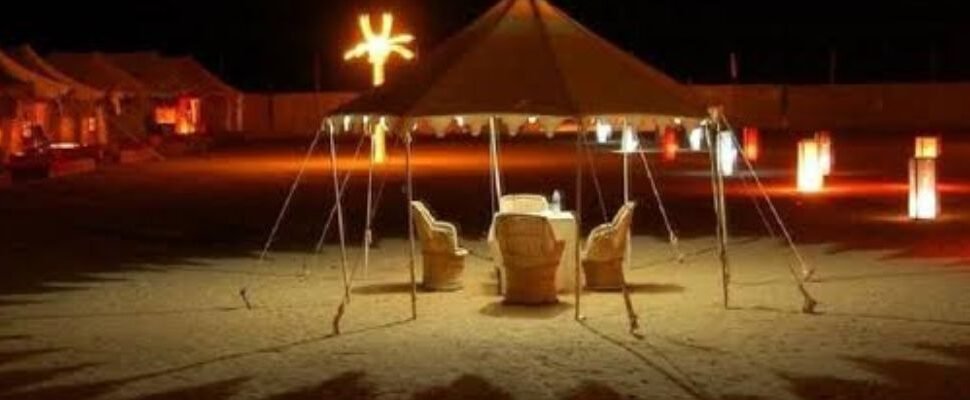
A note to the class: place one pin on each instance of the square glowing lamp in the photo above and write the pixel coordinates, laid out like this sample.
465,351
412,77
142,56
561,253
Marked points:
811,178
630,142
696,139
924,199
826,160
727,153
604,132
928,147
752,143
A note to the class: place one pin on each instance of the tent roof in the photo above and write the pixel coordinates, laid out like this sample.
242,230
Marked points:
197,79
155,71
27,57
95,70
27,82
526,57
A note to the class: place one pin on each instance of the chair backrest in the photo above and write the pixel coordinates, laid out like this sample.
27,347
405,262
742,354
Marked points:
432,239
523,203
527,241
608,241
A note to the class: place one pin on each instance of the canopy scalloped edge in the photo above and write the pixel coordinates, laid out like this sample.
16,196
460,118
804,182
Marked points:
476,124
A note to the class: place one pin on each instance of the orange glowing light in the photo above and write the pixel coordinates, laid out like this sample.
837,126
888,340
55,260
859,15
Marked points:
826,160
379,47
670,146
165,115
928,147
811,178
752,144
924,203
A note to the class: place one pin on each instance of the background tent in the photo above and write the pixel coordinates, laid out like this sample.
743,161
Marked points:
80,118
185,90
27,100
129,110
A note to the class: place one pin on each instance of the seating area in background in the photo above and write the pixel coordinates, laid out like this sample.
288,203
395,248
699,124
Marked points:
443,259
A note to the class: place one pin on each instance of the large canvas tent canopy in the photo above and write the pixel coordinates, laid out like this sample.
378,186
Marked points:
29,58
526,58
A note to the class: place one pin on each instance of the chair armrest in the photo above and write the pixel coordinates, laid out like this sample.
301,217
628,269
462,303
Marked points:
448,229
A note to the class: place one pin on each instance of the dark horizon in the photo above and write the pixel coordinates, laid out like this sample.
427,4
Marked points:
270,46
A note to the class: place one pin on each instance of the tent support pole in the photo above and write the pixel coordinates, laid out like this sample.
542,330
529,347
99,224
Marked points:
577,283
370,201
413,246
717,183
341,233
493,148
627,298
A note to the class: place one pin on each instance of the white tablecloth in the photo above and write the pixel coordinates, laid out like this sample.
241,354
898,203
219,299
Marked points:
564,227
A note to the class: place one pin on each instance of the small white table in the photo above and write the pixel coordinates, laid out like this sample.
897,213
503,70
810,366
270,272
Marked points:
565,229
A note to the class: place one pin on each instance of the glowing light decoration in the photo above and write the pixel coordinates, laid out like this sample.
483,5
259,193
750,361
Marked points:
811,178
824,140
752,143
928,147
604,132
630,142
379,47
670,145
924,199
727,153
696,139
378,142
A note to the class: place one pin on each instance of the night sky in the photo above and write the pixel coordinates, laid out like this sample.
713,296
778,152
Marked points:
264,45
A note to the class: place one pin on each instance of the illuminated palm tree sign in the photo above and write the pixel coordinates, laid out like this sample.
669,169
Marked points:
379,48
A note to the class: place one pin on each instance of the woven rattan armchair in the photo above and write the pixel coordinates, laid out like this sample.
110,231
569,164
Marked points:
442,259
605,250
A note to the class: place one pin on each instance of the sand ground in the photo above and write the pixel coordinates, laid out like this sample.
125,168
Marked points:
123,285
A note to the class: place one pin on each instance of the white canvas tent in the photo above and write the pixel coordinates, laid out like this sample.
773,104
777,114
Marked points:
524,63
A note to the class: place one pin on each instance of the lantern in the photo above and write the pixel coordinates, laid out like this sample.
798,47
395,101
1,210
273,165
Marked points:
924,202
696,139
604,132
824,141
378,142
670,146
727,153
811,178
630,142
752,144
928,147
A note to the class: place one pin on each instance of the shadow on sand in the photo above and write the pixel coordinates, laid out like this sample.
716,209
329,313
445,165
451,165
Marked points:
502,310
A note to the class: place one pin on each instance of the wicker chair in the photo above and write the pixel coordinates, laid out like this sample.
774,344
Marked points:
443,260
605,250
523,203
530,257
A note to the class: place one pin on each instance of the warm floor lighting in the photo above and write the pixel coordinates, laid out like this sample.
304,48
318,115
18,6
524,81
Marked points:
924,203
811,178
752,144
727,153
826,160
670,145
